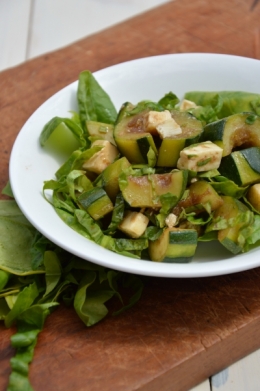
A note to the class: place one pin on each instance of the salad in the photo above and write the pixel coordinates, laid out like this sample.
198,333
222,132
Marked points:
156,178
150,182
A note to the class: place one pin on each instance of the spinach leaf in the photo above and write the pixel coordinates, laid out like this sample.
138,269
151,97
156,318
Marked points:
117,215
23,301
226,103
169,101
29,324
52,271
4,277
227,187
89,304
94,103
39,245
17,236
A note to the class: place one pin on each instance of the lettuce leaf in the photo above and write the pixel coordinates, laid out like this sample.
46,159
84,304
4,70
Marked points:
94,103
225,103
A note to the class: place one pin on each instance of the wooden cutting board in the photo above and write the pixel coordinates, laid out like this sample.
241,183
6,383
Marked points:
182,330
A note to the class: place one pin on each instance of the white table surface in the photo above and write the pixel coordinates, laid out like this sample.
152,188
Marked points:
29,28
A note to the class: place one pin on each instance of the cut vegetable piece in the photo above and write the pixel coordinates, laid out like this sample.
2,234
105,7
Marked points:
100,131
187,104
171,220
134,224
170,148
137,244
174,245
199,157
201,197
238,130
168,128
110,177
117,215
237,217
253,196
103,158
131,136
145,191
96,202
153,119
61,139
242,167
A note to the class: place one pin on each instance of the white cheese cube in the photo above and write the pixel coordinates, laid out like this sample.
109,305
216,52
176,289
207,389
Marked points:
101,159
154,118
171,220
162,123
168,128
200,157
187,104
134,224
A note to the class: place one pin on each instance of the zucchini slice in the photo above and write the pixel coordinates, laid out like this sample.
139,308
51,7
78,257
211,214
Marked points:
109,177
100,131
96,202
131,137
175,245
145,191
238,130
242,167
170,147
201,195
253,196
232,209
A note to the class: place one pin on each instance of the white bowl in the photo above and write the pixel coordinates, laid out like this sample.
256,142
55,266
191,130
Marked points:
147,78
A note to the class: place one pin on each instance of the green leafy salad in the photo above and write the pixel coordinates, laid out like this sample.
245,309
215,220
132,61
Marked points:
155,178
149,182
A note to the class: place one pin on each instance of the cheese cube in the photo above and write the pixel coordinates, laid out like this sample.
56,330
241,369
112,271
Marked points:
101,159
200,157
154,118
171,220
187,104
168,128
162,123
134,224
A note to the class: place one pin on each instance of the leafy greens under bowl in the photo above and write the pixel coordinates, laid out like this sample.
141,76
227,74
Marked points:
135,81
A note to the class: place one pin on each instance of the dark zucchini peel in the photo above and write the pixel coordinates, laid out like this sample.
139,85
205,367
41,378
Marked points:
242,167
236,131
174,245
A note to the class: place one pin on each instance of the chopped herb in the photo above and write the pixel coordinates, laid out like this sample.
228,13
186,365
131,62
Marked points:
203,162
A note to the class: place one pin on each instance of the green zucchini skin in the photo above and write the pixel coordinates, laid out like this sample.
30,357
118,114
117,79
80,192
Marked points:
237,130
145,191
131,137
182,246
242,167
96,202
175,245
109,177
144,146
252,156
134,141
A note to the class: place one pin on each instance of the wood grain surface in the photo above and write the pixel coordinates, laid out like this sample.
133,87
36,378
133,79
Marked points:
182,330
